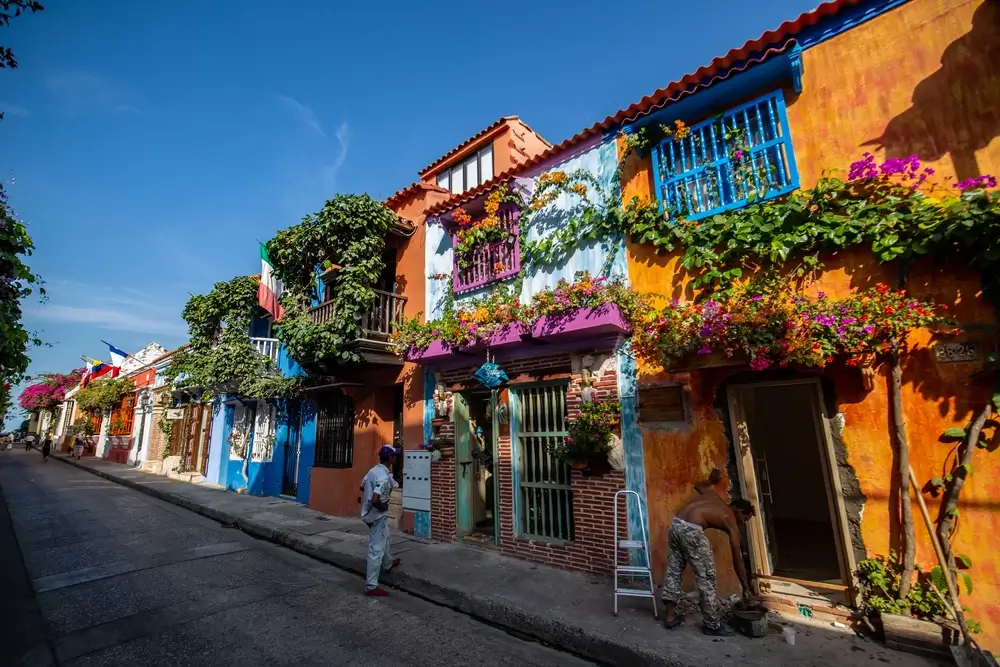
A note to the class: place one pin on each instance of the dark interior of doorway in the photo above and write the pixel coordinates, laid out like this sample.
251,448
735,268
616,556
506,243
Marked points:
481,424
792,482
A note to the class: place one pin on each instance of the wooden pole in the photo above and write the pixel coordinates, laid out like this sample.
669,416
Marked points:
903,455
945,569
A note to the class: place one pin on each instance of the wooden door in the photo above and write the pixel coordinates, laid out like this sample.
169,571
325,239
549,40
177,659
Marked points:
206,437
749,486
465,520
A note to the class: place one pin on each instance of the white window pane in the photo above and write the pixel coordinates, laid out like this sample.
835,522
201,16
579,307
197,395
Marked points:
458,179
486,163
472,172
443,180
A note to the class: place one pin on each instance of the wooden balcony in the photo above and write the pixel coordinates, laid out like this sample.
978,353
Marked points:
376,325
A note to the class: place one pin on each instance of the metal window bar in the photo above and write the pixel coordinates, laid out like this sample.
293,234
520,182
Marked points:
486,261
335,430
545,494
696,176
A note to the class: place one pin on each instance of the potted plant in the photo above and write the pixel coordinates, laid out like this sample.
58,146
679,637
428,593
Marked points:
589,435
440,447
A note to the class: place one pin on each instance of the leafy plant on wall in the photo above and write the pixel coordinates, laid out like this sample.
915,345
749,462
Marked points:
103,394
219,357
349,231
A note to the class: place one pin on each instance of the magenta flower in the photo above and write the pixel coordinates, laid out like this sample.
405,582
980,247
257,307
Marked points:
738,155
984,181
705,350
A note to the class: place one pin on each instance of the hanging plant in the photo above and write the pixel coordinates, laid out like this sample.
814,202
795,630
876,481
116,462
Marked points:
348,231
471,236
769,323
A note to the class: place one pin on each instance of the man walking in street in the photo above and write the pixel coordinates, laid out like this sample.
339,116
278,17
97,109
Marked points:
376,488
688,545
46,448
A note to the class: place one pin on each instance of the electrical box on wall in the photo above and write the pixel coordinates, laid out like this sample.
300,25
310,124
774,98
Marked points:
417,480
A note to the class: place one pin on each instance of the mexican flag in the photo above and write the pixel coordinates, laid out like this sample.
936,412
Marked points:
270,287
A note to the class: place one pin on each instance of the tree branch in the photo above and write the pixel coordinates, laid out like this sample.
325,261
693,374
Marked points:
946,517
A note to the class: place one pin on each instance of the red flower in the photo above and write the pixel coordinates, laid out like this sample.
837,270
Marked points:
882,288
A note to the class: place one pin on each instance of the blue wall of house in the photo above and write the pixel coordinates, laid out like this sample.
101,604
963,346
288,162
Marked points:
219,448
307,448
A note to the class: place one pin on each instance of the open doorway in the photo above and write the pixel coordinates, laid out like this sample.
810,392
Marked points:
786,469
475,457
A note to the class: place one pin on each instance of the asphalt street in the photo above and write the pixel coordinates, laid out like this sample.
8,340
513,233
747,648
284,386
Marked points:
93,573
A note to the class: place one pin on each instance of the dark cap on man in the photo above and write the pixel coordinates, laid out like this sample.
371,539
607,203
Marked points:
387,452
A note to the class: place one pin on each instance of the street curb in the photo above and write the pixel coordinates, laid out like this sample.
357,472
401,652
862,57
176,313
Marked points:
489,609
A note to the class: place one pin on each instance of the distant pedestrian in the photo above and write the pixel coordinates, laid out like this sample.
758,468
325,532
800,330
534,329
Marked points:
27,442
376,490
78,447
46,448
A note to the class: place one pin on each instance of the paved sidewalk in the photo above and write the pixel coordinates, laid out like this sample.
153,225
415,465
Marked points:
569,611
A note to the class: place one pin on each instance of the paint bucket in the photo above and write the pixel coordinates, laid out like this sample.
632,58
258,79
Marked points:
751,622
789,634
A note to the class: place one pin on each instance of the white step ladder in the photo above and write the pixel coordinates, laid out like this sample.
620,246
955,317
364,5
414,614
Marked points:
633,570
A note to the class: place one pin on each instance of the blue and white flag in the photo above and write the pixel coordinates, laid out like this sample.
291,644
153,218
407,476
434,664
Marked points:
117,356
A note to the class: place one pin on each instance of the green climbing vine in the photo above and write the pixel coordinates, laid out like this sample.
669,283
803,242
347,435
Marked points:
167,428
103,394
347,238
219,357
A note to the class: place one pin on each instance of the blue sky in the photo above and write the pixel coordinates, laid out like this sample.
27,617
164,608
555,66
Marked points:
153,143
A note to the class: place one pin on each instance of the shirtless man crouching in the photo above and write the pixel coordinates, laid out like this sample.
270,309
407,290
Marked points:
688,545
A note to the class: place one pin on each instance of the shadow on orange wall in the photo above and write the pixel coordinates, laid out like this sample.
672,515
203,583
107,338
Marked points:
956,110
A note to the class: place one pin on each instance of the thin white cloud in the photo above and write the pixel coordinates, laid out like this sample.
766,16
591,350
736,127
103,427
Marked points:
107,318
302,113
125,309
329,172
77,90
9,109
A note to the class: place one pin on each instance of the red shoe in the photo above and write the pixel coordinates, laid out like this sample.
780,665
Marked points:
395,564
377,593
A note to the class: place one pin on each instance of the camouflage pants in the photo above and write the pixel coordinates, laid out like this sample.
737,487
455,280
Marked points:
687,545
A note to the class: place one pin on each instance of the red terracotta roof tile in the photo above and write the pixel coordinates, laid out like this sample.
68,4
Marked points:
471,140
401,195
752,52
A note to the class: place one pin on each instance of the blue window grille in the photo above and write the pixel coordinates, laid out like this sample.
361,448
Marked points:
741,156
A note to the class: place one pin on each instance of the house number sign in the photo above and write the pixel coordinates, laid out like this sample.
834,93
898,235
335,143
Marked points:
949,353
174,413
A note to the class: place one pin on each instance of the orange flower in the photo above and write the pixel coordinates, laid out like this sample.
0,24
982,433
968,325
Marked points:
499,267
580,189
460,216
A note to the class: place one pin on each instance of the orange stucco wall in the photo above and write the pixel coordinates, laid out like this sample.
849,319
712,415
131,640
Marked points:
335,490
921,79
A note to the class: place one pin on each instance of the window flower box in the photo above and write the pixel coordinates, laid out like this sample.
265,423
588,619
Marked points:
435,351
604,319
505,334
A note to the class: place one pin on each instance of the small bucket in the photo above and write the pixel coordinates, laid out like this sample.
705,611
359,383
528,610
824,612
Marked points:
751,622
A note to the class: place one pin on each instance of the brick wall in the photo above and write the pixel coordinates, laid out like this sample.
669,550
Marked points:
443,492
157,441
593,496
